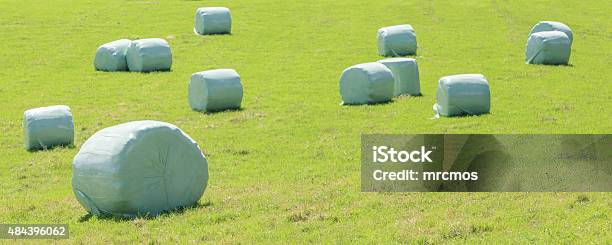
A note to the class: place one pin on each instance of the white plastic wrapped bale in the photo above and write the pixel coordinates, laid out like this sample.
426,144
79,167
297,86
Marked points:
213,20
552,26
406,74
397,40
152,54
549,48
366,84
466,94
215,90
47,127
111,56
139,168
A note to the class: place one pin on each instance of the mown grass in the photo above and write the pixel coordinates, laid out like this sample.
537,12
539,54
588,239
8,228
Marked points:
285,169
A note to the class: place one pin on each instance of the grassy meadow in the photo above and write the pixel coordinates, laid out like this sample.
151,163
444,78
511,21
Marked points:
286,167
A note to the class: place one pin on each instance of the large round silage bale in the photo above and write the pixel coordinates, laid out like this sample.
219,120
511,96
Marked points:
399,40
553,26
406,74
215,90
46,127
366,84
213,20
139,168
111,56
151,54
548,48
465,94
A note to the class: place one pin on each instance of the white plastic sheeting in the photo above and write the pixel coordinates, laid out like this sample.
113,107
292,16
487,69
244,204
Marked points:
406,74
548,47
139,168
399,40
215,90
152,54
466,94
553,26
213,20
47,127
111,56
366,83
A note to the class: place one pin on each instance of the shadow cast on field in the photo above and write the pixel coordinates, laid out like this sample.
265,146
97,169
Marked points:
56,147
368,104
114,218
221,111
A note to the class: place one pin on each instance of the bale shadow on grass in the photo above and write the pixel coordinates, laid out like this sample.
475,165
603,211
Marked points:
55,147
368,104
221,111
115,218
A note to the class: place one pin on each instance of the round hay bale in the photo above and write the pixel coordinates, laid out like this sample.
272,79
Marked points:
111,56
548,48
213,20
406,74
215,90
552,26
399,40
139,168
366,84
466,94
152,54
46,127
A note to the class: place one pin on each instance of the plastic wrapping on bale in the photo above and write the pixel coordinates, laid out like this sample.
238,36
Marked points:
406,74
466,94
47,127
553,26
139,168
366,84
215,90
112,56
397,40
549,48
152,54
213,20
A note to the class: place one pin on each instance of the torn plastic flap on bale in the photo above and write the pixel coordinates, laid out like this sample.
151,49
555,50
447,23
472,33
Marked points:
139,168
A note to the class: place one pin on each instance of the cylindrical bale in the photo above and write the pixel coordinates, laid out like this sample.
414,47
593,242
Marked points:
366,84
215,90
213,20
552,26
46,127
139,168
112,56
548,48
152,54
406,74
399,40
466,94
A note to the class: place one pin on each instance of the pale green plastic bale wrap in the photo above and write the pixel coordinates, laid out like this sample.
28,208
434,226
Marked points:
215,90
406,74
112,56
213,20
152,54
552,26
399,40
46,127
549,48
139,168
466,94
366,84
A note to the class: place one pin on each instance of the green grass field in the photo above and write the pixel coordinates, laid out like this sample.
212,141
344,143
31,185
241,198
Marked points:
286,168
